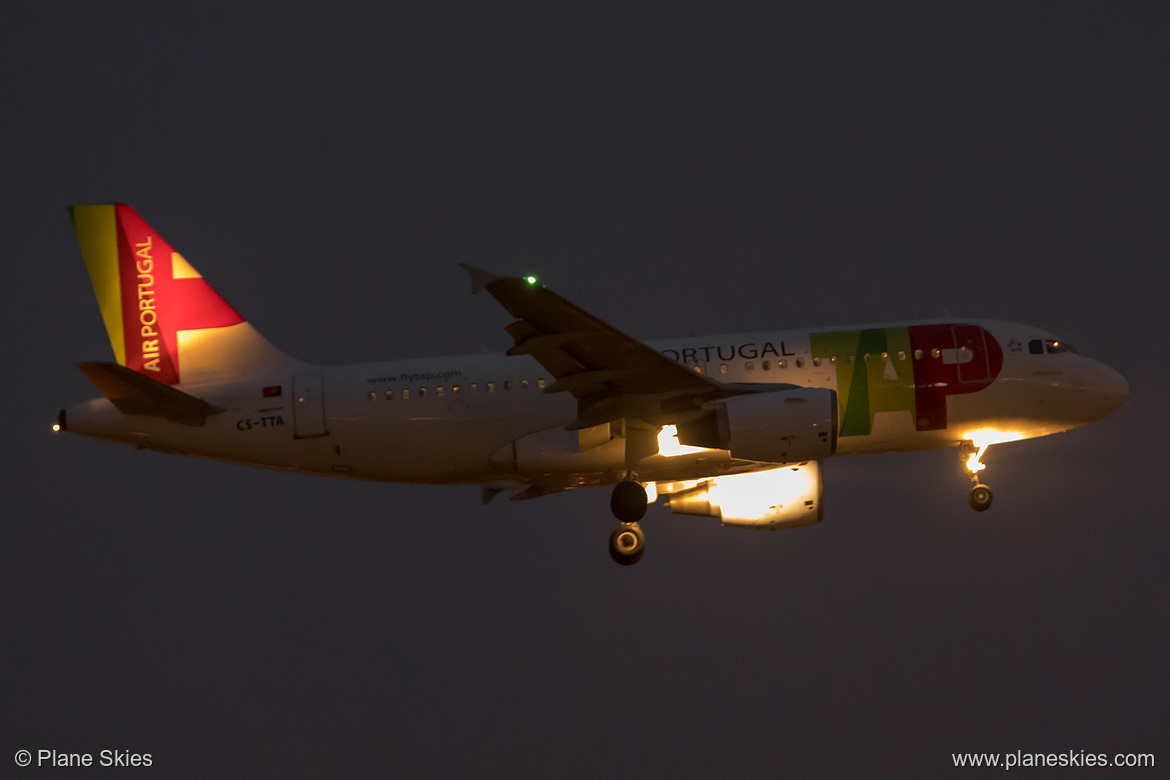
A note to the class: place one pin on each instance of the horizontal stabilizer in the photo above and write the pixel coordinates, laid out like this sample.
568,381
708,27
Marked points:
135,393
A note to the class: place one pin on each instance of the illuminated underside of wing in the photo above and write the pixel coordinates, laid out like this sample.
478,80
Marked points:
612,375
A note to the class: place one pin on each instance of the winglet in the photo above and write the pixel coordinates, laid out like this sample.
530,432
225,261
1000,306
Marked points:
479,277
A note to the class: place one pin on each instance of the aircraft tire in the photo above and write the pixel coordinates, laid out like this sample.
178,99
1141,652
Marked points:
627,543
628,502
980,498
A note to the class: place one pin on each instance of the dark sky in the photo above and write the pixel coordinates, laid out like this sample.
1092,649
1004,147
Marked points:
673,172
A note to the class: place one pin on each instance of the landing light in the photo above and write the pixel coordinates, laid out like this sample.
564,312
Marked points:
56,427
668,445
973,464
983,438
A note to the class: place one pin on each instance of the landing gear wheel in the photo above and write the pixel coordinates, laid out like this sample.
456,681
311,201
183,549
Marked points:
980,498
628,501
627,543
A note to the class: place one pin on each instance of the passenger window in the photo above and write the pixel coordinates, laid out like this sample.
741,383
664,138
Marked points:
748,366
373,395
781,364
901,355
474,387
851,359
918,354
389,395
936,352
439,390
523,384
507,384
1055,347
816,362
491,386
866,357
540,382
455,389
723,368
405,394
766,365
422,392
800,362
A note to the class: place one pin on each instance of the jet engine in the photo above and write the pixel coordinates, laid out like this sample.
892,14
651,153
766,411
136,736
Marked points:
782,426
785,497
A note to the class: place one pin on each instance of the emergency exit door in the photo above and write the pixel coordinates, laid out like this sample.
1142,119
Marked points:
308,407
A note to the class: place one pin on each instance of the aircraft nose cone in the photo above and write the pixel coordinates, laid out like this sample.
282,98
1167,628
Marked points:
1110,390
1116,390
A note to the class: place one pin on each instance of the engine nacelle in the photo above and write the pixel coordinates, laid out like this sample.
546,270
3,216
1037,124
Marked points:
787,497
785,426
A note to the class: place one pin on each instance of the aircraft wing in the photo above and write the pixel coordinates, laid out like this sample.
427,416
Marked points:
612,375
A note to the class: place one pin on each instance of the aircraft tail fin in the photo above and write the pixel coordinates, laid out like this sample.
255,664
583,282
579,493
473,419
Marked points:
163,319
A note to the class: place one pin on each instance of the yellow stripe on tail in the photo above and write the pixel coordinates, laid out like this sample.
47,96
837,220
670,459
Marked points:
96,228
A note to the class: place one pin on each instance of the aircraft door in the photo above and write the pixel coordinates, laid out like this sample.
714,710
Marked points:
969,338
308,407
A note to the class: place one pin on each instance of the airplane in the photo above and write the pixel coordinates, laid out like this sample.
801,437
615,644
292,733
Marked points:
731,427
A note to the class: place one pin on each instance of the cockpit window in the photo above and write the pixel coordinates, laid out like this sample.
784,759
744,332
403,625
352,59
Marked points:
1051,346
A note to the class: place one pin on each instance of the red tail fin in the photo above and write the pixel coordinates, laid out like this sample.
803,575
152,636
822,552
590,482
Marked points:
164,320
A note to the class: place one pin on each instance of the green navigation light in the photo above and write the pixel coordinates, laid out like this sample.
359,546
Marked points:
530,279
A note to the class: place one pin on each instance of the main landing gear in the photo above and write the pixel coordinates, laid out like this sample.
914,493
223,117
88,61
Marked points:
980,496
628,503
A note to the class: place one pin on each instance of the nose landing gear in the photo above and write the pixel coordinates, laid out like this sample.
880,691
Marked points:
628,502
980,496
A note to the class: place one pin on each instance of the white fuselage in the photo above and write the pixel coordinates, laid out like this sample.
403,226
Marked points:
485,418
